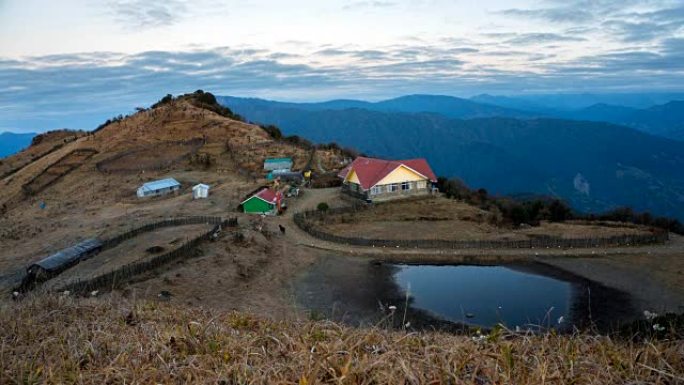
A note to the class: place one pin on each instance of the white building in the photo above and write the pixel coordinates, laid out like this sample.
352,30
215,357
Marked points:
200,191
158,187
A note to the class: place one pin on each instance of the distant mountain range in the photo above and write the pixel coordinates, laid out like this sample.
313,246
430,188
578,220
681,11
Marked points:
662,119
573,102
11,143
449,106
665,120
595,166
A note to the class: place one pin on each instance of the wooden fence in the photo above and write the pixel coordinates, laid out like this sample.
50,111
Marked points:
305,222
192,220
123,274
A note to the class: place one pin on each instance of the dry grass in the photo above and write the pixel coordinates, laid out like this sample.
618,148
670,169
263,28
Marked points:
61,340
442,218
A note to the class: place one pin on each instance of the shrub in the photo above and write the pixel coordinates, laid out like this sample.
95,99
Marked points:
273,131
559,211
323,207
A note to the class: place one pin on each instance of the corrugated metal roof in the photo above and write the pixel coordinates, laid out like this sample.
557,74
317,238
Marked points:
160,184
277,163
278,160
69,255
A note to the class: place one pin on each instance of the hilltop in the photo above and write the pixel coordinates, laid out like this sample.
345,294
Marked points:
69,185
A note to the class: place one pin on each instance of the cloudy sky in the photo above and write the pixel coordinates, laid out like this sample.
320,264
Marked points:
74,63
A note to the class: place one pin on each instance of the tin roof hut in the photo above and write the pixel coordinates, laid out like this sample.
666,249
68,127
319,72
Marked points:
158,187
65,258
271,164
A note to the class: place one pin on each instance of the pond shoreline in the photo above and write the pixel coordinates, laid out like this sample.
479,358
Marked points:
359,292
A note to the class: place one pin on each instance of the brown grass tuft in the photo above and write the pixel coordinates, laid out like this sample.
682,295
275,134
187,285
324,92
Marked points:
114,340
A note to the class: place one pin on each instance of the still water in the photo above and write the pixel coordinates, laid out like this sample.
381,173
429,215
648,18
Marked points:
361,292
486,295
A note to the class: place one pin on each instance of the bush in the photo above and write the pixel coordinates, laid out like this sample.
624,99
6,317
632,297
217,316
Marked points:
559,211
273,131
298,141
323,207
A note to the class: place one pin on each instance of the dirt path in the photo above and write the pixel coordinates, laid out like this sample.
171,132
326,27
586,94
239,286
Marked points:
653,275
311,197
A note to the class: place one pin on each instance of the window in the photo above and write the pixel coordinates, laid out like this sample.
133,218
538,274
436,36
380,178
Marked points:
421,184
393,187
375,190
405,186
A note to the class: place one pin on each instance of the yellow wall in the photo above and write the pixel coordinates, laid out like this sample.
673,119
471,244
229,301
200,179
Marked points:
400,174
353,178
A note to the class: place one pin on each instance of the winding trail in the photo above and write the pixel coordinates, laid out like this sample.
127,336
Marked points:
311,197
653,274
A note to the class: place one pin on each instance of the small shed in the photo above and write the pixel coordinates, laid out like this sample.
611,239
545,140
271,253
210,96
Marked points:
286,176
200,191
158,187
266,201
271,164
65,258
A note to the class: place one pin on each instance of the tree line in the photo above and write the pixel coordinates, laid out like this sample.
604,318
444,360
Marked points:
531,211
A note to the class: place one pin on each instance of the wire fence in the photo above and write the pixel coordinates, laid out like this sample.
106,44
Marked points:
123,274
307,222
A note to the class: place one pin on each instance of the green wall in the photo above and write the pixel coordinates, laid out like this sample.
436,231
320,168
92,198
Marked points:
256,205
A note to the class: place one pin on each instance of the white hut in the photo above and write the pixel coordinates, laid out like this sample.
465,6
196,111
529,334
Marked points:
158,187
200,191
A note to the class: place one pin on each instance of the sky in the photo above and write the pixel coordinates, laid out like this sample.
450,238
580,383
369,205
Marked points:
74,63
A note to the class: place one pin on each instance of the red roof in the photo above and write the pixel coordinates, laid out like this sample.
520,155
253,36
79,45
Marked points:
370,171
268,195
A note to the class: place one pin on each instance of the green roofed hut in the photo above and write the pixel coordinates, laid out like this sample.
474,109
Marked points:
266,201
271,164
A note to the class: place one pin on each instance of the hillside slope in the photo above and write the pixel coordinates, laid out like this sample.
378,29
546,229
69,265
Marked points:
596,166
69,186
114,340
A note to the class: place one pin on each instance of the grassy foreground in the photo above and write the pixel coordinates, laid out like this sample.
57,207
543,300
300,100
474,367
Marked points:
114,340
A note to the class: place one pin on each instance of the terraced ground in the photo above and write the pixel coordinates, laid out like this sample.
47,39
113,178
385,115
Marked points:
58,170
151,157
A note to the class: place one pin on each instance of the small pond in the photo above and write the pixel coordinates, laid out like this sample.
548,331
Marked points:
527,295
486,295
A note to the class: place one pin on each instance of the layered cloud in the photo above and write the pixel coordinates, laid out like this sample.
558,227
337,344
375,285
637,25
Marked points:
574,46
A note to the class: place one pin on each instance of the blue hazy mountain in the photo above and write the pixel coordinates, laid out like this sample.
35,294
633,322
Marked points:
572,102
11,143
595,166
664,120
657,114
449,106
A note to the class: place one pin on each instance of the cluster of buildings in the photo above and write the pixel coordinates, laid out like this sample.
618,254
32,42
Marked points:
170,186
367,179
